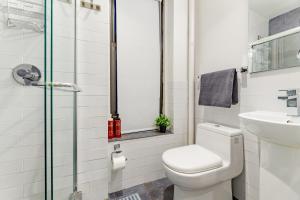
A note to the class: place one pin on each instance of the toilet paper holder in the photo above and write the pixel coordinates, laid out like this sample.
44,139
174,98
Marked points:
116,151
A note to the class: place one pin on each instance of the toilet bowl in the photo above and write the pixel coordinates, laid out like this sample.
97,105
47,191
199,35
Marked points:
204,171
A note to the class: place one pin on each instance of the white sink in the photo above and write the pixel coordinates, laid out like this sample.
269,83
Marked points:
273,127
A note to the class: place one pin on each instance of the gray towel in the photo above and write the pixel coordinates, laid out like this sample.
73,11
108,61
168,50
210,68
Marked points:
219,89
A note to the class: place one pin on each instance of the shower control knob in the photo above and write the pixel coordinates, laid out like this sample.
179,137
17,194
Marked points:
26,74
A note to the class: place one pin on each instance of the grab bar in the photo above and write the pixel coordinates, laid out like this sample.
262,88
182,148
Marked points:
59,85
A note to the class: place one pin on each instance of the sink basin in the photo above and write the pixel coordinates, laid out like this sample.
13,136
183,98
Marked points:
273,127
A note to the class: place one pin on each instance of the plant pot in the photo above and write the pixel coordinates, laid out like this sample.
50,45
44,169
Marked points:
162,129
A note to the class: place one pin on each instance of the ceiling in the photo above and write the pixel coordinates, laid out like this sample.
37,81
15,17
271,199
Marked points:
273,8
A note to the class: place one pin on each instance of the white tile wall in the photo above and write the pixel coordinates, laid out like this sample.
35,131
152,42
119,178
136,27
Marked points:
22,109
93,105
144,160
144,155
21,117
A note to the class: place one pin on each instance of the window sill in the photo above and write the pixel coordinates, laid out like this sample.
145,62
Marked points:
139,135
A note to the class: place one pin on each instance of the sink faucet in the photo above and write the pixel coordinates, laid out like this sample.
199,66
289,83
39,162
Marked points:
292,98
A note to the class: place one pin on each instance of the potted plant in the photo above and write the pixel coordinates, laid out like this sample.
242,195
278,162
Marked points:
163,122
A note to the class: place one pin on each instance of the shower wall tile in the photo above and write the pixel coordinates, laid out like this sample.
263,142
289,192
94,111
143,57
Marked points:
10,167
13,193
92,68
22,109
21,116
33,189
93,101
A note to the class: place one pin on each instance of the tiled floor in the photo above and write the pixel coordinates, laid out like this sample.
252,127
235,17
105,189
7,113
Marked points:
158,190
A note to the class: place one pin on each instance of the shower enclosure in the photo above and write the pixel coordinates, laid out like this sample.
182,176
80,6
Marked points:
38,114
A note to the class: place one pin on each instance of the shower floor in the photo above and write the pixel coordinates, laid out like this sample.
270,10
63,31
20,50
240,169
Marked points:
157,190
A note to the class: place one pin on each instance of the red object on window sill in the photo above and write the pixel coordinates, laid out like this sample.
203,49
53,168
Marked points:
110,129
117,128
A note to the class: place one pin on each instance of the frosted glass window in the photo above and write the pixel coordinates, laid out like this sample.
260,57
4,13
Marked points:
138,63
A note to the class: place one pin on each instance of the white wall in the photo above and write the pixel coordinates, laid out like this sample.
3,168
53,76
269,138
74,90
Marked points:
22,108
144,155
221,43
258,26
221,36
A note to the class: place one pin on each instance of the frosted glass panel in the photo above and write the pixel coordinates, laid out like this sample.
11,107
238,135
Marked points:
138,63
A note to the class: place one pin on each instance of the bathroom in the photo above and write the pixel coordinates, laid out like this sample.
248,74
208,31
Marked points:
118,100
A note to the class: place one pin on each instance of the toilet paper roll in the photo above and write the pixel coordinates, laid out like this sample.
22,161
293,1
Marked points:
118,163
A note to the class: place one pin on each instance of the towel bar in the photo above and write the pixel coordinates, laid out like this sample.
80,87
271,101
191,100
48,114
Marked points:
243,69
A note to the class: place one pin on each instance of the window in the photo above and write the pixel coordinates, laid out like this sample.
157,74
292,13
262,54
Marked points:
137,78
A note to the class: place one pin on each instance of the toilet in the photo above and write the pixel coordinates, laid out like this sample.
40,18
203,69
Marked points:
204,171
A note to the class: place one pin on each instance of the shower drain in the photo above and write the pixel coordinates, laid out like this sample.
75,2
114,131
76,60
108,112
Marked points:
134,196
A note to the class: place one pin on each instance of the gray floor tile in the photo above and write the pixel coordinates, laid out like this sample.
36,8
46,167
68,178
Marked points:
158,190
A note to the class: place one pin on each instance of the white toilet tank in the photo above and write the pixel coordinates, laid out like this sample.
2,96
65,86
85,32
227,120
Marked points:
224,141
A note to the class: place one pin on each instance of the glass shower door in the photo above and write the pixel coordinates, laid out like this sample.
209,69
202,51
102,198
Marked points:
61,137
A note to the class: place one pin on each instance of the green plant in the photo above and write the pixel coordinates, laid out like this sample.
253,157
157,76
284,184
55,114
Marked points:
162,121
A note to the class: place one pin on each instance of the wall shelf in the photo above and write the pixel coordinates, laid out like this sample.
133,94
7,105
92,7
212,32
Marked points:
24,14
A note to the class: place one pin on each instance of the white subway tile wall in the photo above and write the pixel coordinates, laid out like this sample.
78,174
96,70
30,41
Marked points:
144,155
93,102
144,161
21,117
22,108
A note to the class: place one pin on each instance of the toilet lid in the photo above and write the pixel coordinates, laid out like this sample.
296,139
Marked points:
191,159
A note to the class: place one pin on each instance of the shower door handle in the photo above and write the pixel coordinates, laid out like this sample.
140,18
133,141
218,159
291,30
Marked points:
60,85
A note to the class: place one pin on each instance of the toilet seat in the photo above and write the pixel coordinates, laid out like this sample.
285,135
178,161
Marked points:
191,159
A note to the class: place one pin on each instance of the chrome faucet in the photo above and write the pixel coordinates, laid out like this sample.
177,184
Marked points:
292,98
